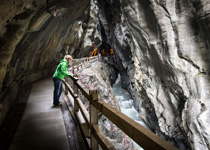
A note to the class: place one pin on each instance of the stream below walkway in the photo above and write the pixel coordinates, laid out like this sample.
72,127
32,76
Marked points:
126,103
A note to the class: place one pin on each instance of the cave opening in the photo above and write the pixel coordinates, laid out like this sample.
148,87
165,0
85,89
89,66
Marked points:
103,50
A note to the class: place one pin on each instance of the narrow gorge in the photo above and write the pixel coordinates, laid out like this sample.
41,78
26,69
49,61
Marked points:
161,50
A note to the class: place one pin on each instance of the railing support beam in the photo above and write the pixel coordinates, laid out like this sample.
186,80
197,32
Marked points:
93,119
76,107
66,89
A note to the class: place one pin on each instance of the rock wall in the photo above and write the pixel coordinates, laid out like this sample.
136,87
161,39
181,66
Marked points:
164,51
35,35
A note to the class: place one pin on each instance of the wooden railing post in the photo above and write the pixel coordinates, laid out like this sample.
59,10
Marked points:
66,89
72,69
76,107
86,61
93,118
77,66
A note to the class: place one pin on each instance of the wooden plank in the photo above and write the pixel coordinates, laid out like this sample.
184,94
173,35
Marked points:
75,97
66,89
93,95
71,91
84,111
93,119
142,136
86,130
103,141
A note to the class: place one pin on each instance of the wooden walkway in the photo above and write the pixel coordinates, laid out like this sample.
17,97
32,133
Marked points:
42,126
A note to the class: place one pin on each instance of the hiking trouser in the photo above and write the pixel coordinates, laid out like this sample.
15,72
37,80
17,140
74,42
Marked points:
58,87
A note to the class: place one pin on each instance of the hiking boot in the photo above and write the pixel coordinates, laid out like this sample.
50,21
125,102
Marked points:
59,104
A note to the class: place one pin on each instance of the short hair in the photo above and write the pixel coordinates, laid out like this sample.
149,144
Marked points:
68,57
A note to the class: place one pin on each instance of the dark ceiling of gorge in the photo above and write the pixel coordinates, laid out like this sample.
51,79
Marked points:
162,51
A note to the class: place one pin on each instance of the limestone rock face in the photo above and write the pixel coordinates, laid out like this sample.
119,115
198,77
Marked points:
35,35
164,51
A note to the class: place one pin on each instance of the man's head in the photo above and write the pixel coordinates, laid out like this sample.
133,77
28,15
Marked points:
68,58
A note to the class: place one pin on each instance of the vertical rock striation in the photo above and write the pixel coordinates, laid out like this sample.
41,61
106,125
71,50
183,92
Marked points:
34,35
164,51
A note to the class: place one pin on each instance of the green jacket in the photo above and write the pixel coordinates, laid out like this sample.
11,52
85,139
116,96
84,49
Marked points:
61,70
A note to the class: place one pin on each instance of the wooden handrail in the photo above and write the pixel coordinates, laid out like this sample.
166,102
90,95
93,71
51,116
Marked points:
142,136
82,62
84,112
102,140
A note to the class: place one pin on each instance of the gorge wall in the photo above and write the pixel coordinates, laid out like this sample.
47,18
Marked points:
161,49
35,35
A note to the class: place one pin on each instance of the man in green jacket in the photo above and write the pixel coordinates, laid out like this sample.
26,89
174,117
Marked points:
60,73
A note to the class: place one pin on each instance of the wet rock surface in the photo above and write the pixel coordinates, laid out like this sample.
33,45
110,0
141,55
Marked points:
34,36
163,48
